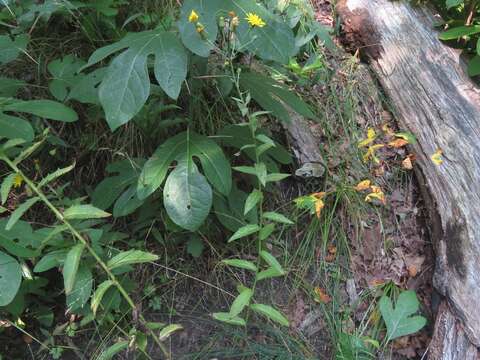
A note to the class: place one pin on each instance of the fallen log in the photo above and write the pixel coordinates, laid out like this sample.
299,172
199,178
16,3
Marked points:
434,99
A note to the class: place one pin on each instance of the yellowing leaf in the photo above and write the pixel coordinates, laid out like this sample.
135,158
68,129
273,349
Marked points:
321,296
377,194
371,153
386,129
398,143
437,157
371,135
319,205
363,185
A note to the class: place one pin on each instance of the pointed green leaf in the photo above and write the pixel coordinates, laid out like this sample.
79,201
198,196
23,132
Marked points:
270,313
55,175
244,231
6,187
279,218
242,264
82,289
43,108
268,274
227,318
252,200
84,212
113,350
98,294
169,330
270,260
240,302
130,257
18,213
70,267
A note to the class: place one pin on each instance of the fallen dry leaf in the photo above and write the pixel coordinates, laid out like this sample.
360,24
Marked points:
407,163
398,143
321,296
363,185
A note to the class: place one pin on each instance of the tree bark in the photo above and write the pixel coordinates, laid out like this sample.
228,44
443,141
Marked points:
434,99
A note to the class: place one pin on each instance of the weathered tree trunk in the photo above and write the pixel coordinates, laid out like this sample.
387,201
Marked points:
434,99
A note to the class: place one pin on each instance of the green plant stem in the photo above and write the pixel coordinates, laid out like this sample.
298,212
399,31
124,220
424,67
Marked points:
80,238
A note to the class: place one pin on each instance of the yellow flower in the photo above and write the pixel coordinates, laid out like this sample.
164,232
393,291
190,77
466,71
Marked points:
193,17
255,20
437,157
17,181
363,185
371,135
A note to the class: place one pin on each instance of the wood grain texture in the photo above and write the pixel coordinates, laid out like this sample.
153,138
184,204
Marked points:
449,340
434,99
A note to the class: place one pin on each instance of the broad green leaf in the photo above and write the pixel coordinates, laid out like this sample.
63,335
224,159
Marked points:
82,289
459,31
171,64
10,49
474,64
270,260
6,186
18,213
127,203
237,136
399,321
273,96
130,257
12,127
227,318
169,330
64,73
98,294
70,266
9,87
195,245
270,313
50,260
244,231
125,88
126,85
275,41
187,197
279,218
16,248
240,302
84,212
113,350
47,109
10,278
229,211
200,44
183,147
242,264
453,3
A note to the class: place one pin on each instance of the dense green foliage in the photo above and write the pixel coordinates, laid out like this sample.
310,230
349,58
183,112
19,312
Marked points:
172,106
463,20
